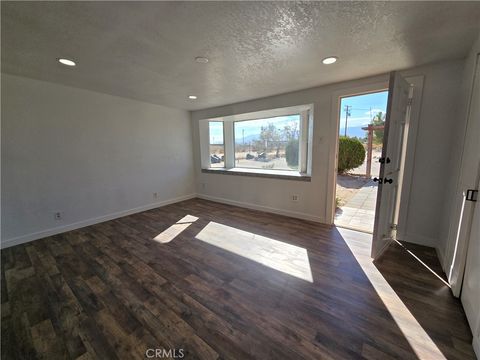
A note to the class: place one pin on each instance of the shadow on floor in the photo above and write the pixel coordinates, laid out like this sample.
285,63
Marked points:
351,181
416,276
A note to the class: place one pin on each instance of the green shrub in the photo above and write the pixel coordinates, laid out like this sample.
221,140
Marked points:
291,153
351,154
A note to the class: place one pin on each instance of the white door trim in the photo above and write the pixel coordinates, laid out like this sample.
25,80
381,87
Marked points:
417,82
335,121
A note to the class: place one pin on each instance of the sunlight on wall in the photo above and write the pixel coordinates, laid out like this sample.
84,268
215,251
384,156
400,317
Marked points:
277,255
421,343
174,230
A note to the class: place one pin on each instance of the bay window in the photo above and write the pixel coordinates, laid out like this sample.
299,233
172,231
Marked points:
276,141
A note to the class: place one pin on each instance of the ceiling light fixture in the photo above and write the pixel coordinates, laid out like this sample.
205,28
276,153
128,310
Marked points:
201,60
66,62
192,97
330,60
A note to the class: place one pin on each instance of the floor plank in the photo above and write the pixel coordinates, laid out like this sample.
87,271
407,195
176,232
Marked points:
225,283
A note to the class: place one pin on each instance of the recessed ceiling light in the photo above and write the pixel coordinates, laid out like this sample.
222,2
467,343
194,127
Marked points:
201,60
67,62
192,97
330,60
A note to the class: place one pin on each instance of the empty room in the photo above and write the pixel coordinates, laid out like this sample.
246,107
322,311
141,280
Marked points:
240,180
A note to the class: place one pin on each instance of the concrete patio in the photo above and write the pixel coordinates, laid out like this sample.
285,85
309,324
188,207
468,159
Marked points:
359,212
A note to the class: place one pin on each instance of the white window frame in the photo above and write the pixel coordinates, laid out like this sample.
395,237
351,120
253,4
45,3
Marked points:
305,140
224,145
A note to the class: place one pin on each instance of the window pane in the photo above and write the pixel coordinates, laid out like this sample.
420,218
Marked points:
270,144
217,146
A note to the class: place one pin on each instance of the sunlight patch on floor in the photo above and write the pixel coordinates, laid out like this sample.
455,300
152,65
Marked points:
421,343
173,231
277,255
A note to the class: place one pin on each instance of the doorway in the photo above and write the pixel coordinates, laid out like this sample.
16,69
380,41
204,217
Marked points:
360,140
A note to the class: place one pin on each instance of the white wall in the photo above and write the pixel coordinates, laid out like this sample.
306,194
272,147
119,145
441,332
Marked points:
437,119
88,155
92,155
434,145
275,194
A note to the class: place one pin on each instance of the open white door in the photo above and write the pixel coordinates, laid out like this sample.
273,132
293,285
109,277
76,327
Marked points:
391,163
468,179
471,282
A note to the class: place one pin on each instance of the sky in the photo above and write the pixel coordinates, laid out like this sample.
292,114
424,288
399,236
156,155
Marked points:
360,111
359,116
216,132
249,128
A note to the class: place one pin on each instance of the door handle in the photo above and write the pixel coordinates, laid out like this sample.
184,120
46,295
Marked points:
387,181
471,195
383,160
377,180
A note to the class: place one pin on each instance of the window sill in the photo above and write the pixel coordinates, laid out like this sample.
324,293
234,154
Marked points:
272,174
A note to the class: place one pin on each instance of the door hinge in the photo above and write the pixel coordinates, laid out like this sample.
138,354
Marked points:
472,195
410,101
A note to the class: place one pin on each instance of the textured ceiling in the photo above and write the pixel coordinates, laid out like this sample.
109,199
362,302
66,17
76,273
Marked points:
146,50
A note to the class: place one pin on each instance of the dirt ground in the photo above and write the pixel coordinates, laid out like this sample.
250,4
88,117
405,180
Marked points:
362,169
348,186
241,161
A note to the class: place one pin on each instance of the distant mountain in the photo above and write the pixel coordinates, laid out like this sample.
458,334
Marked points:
354,131
351,131
248,139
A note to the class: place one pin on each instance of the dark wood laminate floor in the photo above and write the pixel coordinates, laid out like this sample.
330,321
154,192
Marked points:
110,291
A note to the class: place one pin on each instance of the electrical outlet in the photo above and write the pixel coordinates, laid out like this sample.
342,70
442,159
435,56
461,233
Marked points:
295,197
203,186
57,215
155,195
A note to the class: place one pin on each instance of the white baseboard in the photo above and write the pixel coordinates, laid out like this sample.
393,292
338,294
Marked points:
383,249
294,214
441,257
418,239
425,241
77,225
